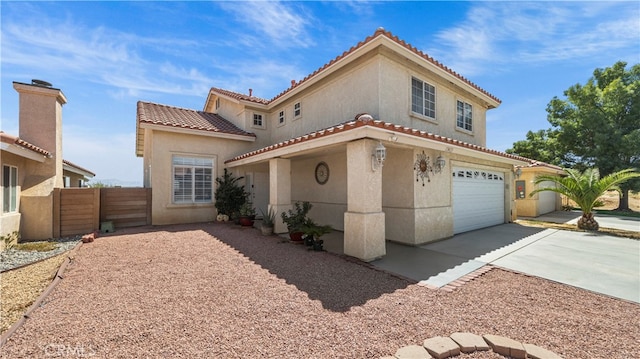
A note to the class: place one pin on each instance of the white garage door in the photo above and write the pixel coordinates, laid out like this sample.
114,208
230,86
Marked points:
478,199
546,199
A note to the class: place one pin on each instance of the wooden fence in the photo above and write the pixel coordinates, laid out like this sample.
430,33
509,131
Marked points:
81,210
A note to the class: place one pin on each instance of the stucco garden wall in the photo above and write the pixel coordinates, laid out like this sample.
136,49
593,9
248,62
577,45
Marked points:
539,203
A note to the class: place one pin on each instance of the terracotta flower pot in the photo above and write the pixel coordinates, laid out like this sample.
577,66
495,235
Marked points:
296,236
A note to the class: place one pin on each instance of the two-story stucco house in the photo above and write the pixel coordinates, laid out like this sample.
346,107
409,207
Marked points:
32,164
384,141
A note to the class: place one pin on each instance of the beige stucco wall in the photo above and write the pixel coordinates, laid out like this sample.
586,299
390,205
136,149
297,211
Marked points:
378,83
163,146
395,99
35,204
10,222
530,206
329,200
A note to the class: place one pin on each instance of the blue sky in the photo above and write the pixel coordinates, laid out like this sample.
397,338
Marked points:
106,56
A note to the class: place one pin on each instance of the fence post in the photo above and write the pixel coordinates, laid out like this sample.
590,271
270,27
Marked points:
56,212
96,208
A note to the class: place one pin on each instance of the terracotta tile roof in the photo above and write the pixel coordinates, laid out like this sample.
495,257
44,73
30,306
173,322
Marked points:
239,96
6,138
377,33
363,120
78,167
163,115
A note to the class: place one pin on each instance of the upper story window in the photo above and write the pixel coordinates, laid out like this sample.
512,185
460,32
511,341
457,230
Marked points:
297,110
192,179
257,120
281,117
464,114
218,103
423,98
9,189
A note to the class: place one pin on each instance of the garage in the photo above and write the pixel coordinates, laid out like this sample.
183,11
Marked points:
478,199
546,199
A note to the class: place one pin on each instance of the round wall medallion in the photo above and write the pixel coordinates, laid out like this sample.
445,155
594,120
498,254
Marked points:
322,173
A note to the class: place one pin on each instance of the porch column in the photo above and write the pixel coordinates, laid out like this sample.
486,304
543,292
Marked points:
279,190
364,229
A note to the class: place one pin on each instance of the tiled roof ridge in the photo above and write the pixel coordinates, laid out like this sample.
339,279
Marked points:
143,118
379,32
240,96
22,143
170,106
78,167
364,119
434,61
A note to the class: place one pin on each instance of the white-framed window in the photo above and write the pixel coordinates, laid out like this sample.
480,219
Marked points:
9,189
297,110
464,114
257,120
192,179
281,117
423,98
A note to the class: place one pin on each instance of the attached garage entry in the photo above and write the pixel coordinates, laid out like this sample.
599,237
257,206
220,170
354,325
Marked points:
478,199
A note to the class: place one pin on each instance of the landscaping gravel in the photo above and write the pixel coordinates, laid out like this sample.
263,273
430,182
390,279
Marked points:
13,258
222,291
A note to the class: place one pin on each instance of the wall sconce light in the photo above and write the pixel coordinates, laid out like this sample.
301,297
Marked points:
378,156
517,171
440,163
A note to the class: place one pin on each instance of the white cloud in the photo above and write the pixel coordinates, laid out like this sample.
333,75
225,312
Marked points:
495,35
280,24
98,55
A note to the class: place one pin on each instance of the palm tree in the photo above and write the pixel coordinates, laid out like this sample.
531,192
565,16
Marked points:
584,188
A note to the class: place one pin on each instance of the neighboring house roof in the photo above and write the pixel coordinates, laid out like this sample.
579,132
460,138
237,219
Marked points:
9,140
365,120
77,169
380,32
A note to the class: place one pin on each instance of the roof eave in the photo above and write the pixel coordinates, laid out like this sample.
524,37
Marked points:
22,152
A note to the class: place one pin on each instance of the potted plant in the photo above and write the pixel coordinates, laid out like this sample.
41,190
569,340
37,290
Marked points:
296,218
247,214
268,221
229,195
313,232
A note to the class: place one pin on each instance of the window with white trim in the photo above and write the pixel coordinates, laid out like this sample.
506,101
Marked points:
281,117
9,189
423,98
192,180
257,120
297,110
464,112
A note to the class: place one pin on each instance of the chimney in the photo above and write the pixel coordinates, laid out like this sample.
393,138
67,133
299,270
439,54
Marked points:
250,92
40,120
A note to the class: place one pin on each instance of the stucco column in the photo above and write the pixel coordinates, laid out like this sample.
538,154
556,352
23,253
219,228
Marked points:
364,229
279,190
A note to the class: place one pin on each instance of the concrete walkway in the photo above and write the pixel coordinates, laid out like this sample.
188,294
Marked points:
593,261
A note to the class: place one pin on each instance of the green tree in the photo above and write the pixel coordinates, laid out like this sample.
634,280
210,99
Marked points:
595,125
540,145
584,188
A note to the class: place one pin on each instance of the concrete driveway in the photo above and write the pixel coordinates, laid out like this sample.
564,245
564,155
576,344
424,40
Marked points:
592,261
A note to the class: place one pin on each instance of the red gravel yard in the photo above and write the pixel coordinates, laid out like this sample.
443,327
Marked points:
222,291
